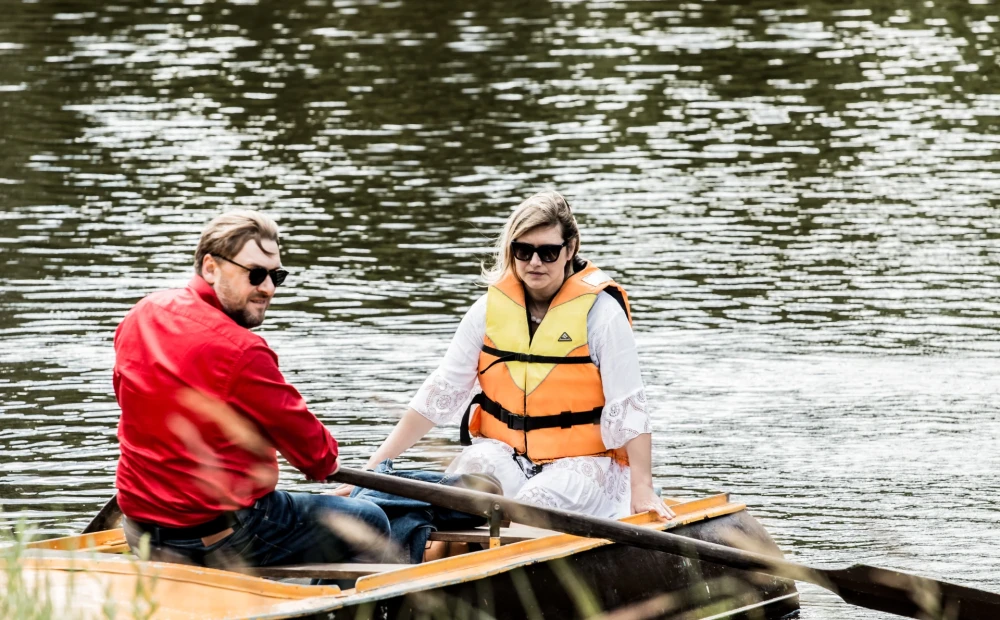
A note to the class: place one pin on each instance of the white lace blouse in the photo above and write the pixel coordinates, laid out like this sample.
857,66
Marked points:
446,393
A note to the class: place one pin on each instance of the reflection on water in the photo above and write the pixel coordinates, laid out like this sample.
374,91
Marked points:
799,198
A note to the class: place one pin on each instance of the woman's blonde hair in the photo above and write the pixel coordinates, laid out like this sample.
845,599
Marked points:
542,210
228,233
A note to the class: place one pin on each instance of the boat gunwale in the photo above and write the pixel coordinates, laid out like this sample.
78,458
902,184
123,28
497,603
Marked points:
114,564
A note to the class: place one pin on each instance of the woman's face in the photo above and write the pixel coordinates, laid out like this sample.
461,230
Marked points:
540,278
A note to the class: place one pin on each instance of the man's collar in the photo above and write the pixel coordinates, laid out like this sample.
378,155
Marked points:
204,290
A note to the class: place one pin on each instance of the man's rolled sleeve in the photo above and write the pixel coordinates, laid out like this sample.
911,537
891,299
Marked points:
260,391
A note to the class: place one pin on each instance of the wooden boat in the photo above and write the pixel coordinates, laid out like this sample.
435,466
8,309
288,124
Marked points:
532,573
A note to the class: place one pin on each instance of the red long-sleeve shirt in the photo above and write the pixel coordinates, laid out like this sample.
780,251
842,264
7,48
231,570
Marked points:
178,466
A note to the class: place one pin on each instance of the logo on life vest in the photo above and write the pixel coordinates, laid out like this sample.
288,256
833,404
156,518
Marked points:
596,278
565,338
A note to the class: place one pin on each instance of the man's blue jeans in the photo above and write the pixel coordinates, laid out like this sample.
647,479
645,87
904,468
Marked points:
281,528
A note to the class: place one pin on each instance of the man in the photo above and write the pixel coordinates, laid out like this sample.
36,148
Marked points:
204,410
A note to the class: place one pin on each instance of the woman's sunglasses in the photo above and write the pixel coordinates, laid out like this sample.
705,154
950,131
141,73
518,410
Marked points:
257,274
546,253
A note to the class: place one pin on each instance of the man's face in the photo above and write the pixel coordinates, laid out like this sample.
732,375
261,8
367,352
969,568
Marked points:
243,302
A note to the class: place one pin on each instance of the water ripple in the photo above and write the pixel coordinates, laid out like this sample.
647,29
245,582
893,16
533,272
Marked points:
799,200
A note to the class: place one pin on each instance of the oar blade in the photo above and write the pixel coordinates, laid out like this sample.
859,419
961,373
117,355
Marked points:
911,596
108,517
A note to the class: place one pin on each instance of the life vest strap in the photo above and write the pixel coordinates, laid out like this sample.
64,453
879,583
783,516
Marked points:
517,422
513,356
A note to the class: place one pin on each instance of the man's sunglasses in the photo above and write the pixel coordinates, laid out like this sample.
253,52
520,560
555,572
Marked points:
546,253
258,274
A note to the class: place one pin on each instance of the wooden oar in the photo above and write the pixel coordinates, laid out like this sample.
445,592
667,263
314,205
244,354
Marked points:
866,586
881,589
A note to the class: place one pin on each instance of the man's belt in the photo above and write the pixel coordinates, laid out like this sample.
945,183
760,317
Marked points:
161,533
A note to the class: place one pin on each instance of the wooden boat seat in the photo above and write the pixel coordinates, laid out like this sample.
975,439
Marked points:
481,535
324,571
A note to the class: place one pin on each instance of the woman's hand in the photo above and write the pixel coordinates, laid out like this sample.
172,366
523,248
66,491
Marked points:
645,499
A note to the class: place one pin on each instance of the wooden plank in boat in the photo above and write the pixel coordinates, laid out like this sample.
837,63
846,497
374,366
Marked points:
325,571
108,541
513,534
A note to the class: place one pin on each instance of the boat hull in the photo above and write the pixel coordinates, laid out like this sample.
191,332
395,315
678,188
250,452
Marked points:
610,577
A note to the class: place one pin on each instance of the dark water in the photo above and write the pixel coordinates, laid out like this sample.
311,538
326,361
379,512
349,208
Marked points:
800,198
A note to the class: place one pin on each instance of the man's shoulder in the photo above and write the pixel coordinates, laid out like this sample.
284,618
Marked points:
183,308
155,304
181,303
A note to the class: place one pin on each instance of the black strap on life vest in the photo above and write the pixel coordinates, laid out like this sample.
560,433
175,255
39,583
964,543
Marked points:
511,356
464,437
517,422
616,294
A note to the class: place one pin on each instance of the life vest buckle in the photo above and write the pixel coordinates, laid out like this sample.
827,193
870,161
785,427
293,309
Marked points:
513,421
566,419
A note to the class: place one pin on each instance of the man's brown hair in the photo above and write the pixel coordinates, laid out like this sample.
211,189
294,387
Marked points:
228,233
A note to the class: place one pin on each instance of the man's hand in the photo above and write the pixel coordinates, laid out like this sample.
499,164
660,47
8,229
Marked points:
644,499
343,490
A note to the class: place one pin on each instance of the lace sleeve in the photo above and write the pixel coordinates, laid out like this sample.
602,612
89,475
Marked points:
625,414
441,402
446,393
624,420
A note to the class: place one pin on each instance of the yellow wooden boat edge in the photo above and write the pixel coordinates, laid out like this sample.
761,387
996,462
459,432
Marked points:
43,560
108,541
701,503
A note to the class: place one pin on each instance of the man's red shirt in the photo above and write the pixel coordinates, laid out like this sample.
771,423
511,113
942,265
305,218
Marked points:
179,468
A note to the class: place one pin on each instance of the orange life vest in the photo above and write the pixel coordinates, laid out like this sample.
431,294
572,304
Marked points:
542,395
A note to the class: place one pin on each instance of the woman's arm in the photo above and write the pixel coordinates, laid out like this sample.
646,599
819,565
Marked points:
625,420
408,431
443,397
640,451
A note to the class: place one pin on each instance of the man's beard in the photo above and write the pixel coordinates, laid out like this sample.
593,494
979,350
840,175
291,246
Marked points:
244,318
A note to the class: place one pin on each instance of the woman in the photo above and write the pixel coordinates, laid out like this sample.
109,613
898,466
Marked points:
561,420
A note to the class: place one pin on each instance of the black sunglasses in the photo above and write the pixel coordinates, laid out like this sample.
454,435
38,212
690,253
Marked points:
257,274
546,253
